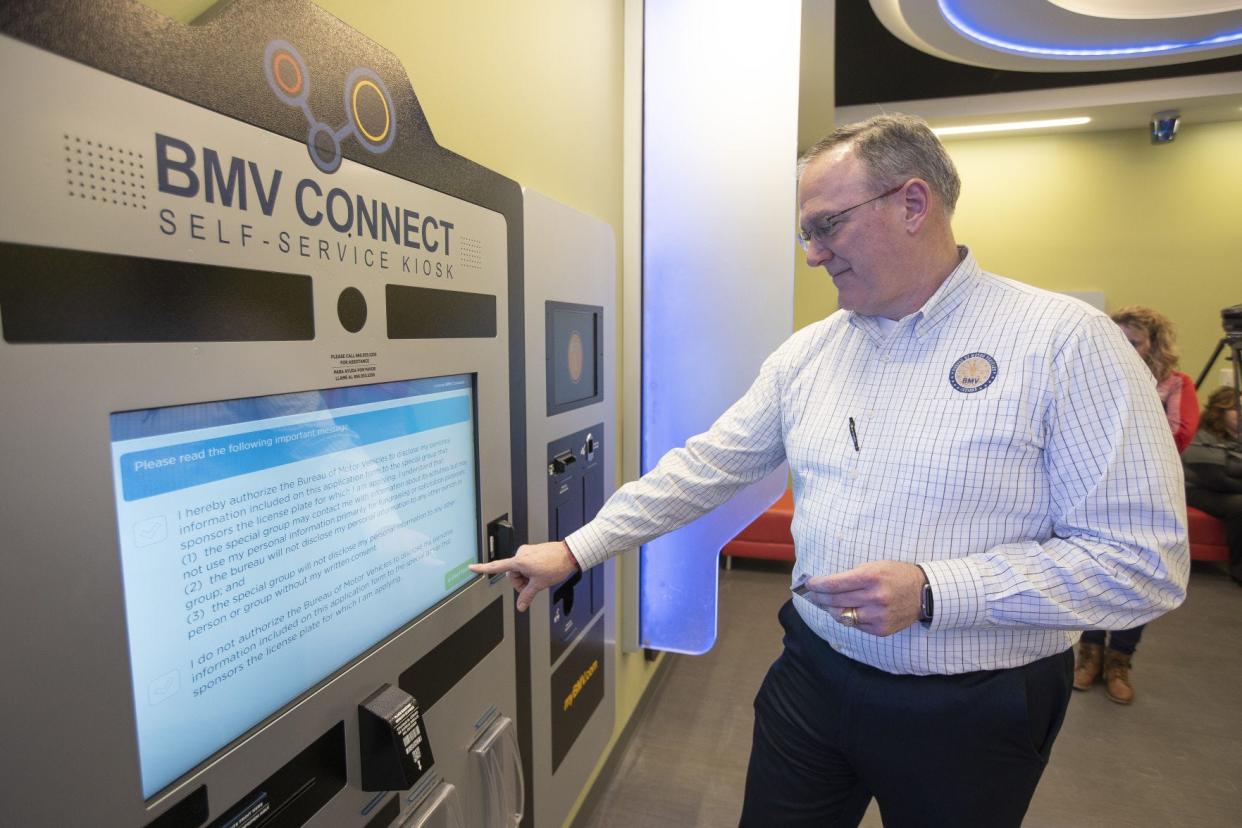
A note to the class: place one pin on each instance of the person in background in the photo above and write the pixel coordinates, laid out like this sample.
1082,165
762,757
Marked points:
1151,333
1108,654
1213,464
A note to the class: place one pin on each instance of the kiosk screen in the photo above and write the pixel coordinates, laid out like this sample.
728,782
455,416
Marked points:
267,542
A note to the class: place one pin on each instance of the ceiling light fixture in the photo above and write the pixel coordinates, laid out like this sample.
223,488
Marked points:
1010,126
955,20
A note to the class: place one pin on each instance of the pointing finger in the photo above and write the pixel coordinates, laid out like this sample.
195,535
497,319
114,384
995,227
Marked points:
495,567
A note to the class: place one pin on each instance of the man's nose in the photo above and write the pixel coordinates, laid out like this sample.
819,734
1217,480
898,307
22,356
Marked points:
818,255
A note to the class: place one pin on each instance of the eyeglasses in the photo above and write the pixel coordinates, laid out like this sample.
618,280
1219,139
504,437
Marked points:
827,225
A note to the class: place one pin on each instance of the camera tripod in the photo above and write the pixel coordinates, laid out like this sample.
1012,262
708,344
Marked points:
1235,356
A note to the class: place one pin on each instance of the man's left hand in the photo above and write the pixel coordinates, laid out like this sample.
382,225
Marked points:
886,595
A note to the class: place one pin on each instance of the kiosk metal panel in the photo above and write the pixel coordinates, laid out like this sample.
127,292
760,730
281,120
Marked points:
200,231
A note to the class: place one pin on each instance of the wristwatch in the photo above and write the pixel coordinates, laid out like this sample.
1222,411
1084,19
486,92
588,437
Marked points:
926,603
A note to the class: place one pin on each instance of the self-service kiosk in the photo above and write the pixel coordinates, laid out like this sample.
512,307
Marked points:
567,639
262,354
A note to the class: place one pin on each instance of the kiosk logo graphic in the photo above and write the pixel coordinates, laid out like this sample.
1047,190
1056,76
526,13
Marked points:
575,357
368,106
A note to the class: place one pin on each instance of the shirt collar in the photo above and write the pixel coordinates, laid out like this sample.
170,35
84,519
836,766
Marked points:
951,293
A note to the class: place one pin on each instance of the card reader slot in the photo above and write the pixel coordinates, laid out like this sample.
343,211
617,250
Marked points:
561,462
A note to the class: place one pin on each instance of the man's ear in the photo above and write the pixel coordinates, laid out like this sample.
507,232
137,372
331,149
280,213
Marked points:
917,201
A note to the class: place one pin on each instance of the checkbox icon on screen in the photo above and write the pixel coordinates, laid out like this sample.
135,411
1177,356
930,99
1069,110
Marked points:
151,530
164,687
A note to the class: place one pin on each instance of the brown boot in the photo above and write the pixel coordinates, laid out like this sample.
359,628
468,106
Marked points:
1087,670
1117,677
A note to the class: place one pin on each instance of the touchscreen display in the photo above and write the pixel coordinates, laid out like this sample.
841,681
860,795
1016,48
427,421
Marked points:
266,542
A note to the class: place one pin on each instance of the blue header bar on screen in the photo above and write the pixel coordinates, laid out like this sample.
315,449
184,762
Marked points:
166,469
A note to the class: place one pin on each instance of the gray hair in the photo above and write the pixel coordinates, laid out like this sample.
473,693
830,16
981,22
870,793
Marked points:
895,148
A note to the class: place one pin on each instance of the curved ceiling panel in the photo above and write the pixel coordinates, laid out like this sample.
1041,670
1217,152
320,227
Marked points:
1044,35
1147,9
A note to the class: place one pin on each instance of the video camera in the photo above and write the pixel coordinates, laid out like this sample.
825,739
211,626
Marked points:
1231,321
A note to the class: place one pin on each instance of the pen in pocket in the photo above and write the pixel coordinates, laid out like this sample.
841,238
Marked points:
853,434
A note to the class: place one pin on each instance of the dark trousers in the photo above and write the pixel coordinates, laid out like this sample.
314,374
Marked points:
831,733
1227,507
1123,641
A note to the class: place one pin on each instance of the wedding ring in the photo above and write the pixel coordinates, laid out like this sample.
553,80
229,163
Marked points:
849,617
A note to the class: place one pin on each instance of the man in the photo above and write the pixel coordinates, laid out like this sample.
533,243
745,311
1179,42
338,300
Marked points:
980,468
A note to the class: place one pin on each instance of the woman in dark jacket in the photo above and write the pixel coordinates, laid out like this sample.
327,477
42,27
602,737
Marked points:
1213,463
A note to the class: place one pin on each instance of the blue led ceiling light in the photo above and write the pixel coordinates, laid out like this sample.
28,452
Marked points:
956,20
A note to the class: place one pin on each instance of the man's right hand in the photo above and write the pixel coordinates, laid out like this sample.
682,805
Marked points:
534,567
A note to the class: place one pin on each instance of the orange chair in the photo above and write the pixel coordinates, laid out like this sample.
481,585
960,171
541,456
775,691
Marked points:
767,537
1207,536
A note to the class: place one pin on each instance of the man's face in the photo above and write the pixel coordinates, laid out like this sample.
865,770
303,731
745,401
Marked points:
863,254
1139,339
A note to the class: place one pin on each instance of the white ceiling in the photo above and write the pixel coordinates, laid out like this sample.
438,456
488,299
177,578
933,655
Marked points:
1141,9
1047,36
1199,99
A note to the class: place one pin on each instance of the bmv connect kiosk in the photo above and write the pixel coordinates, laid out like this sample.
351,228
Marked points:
264,362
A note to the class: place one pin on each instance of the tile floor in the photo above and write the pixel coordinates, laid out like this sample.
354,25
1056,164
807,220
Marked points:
1173,758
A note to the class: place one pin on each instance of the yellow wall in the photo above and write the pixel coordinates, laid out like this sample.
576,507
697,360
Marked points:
814,295
1105,211
532,90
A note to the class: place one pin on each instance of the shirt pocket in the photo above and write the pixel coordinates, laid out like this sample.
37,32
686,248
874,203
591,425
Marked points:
821,447
966,449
